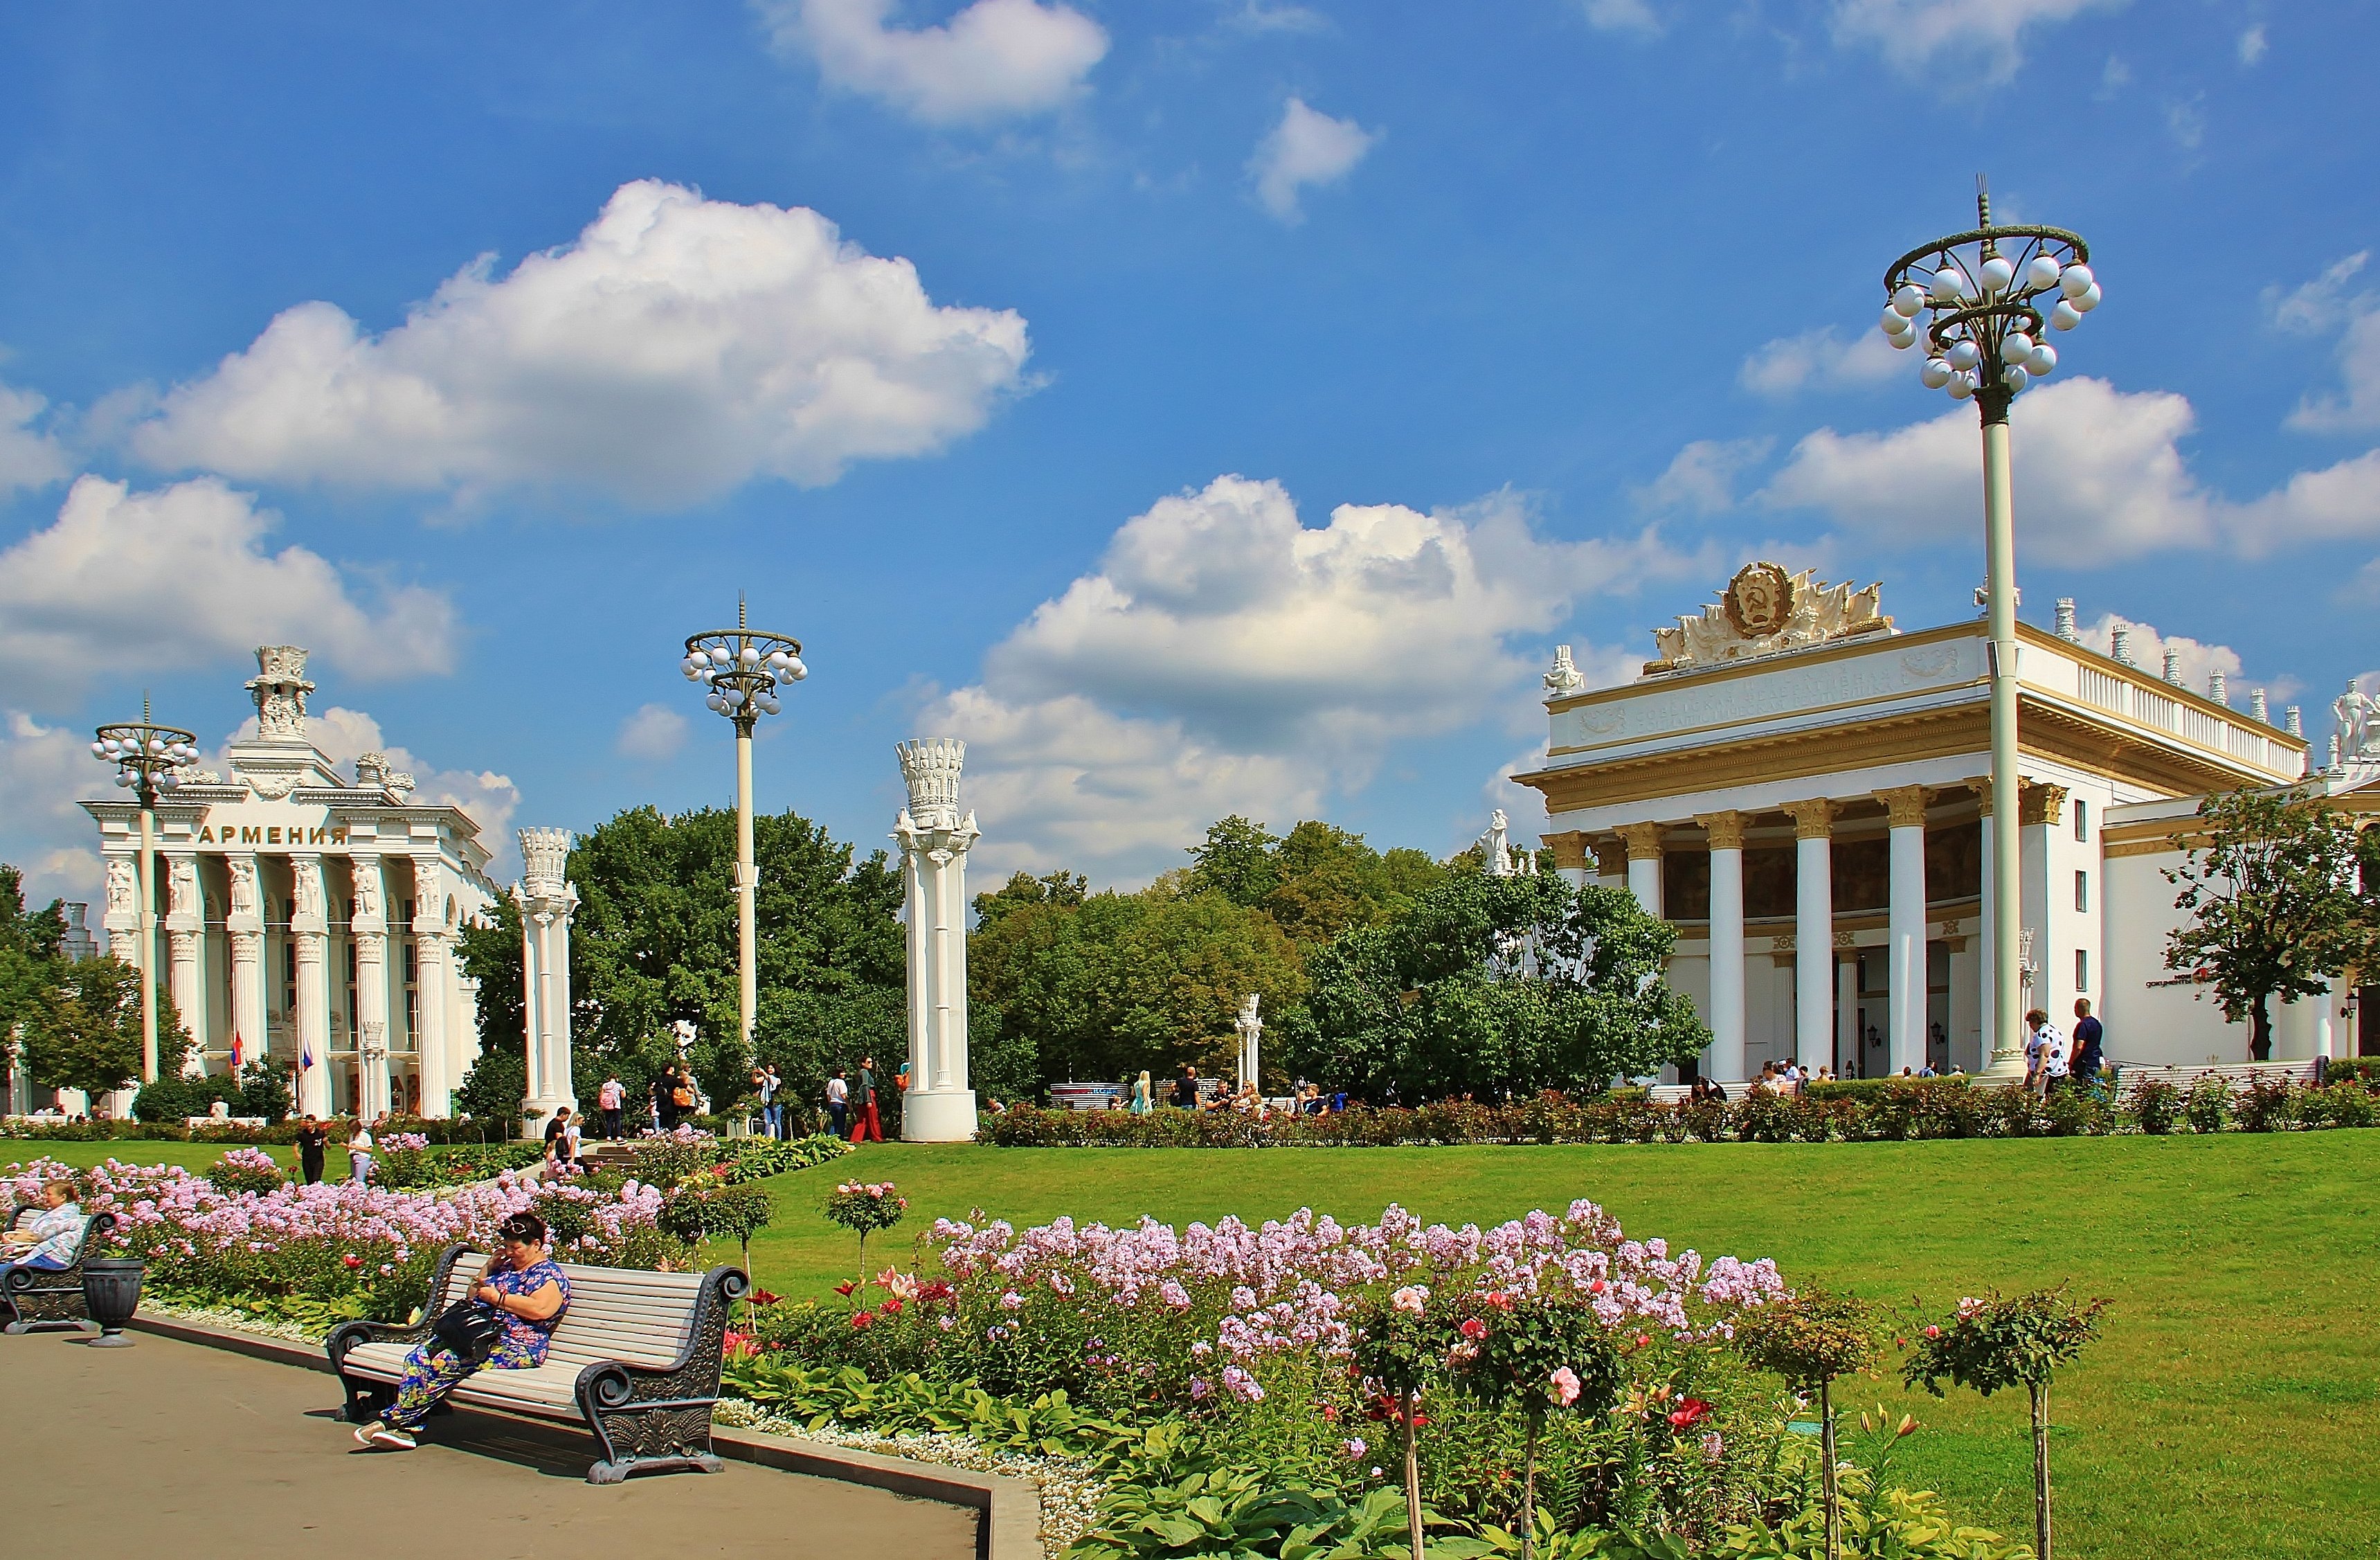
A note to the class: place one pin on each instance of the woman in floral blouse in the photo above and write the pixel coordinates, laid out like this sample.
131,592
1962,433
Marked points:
525,1288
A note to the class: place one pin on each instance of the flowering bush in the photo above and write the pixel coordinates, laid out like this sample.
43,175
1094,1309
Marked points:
247,1170
865,1207
334,1249
406,1160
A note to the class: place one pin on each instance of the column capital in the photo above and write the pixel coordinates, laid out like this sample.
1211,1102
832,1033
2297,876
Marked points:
1643,841
1983,788
1904,805
1726,829
1570,850
1814,819
2040,802
1610,857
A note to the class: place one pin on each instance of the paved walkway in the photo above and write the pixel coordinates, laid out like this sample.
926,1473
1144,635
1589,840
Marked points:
169,1448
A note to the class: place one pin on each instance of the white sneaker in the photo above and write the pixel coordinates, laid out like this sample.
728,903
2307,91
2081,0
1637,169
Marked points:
388,1435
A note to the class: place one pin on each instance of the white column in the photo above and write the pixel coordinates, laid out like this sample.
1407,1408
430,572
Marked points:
546,901
1727,1006
429,981
2325,1031
369,926
1644,842
1905,934
185,935
1986,928
934,838
1814,932
244,928
1848,1039
310,926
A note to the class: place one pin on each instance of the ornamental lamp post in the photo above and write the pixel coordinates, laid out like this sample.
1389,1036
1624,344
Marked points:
1974,297
743,669
146,756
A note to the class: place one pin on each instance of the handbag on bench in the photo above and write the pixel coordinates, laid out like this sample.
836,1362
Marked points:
469,1331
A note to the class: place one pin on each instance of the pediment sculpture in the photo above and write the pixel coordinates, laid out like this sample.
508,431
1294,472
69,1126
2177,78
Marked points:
1765,610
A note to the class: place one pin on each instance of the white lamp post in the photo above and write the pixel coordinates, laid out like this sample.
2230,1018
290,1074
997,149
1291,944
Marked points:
743,669
146,756
1971,296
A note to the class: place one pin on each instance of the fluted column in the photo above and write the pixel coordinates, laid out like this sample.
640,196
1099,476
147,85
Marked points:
185,954
309,929
1727,1006
1644,842
430,947
934,836
547,901
1814,930
368,927
244,928
1905,928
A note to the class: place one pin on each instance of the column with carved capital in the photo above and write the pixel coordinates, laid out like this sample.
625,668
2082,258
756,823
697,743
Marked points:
1905,930
369,926
1727,1006
547,901
1643,841
185,948
433,976
2040,810
1814,932
244,928
309,929
934,836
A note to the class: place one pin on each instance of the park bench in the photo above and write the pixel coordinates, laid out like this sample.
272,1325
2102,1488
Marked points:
2238,1077
39,1299
635,1357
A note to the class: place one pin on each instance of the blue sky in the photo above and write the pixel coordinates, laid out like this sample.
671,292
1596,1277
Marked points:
1200,406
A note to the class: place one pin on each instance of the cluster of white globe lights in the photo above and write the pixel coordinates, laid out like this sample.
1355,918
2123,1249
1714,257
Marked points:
1960,335
737,676
133,756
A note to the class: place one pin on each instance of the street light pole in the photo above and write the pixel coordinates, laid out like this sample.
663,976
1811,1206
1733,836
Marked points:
743,668
146,756
1985,341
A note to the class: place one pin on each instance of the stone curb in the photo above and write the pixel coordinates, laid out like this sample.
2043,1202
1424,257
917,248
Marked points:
1011,1508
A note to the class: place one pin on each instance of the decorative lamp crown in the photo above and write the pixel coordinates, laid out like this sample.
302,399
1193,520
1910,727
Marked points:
930,765
545,855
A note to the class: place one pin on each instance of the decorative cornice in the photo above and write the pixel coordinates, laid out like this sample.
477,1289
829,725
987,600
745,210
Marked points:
1904,806
1725,829
1814,819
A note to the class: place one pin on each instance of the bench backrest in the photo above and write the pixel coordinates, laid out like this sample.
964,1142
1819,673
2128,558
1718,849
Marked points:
614,1314
2238,1077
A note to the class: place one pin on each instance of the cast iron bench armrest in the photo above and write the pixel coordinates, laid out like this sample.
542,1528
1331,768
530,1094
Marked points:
36,1297
651,1416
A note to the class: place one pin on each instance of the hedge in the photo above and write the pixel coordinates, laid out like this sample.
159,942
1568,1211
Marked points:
1896,1110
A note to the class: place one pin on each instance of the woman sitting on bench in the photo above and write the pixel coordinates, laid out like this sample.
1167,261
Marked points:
46,1242
523,1290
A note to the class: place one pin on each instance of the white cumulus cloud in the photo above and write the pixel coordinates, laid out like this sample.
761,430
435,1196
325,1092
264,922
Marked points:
2326,303
185,574
1701,477
996,59
2100,477
1820,357
1226,657
651,731
678,349
1621,15
1913,34
1305,150
28,459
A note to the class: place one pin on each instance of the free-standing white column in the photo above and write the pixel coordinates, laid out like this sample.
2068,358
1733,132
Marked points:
1250,1025
1643,864
185,935
309,928
1905,930
1726,831
245,928
546,902
934,836
1814,932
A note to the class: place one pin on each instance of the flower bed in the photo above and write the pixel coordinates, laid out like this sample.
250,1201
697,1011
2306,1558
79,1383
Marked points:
1879,1112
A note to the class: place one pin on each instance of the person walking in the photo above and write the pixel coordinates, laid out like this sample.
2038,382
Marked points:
838,1102
525,1290
360,1147
665,1099
1186,1089
1143,1101
865,1127
609,1098
2089,1043
313,1140
772,1109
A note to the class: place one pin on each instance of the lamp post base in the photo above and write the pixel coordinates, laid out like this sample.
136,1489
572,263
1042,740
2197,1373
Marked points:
2006,1066
938,1116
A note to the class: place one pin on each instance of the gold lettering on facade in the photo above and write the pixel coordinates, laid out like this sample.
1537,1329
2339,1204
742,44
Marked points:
250,834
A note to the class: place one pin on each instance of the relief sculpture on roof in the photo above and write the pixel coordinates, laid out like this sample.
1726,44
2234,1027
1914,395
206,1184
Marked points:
1765,610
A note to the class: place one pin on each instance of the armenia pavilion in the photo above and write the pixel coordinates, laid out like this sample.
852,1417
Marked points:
1804,792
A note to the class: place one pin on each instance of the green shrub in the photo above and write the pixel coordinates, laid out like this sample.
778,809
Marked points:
2339,1104
2267,1106
2364,1071
2208,1104
2155,1106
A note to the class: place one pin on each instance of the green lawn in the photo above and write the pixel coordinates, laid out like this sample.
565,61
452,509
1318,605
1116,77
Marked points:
2230,1409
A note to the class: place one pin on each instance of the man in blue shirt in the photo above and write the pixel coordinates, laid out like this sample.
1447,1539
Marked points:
2089,1037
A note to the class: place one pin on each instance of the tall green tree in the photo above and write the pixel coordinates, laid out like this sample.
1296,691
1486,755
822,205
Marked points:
1497,986
1236,861
2272,905
86,1034
654,941
29,953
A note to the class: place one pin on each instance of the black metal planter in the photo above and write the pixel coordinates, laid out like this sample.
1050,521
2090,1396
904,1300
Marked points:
111,1293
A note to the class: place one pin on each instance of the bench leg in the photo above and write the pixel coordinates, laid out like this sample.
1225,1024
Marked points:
664,1437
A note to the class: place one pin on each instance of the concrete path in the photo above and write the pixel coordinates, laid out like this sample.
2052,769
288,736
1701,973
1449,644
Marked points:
169,1449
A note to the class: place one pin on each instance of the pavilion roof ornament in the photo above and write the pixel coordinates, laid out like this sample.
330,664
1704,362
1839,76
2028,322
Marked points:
1765,610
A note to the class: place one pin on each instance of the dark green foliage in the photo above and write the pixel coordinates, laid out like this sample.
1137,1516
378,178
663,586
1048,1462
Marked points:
1497,986
259,1090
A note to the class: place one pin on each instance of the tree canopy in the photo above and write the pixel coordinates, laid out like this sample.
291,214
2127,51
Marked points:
78,1025
2273,906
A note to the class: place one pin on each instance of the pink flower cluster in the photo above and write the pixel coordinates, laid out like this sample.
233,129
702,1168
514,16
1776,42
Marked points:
1284,1286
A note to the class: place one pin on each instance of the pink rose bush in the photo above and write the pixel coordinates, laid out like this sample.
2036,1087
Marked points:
362,1250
